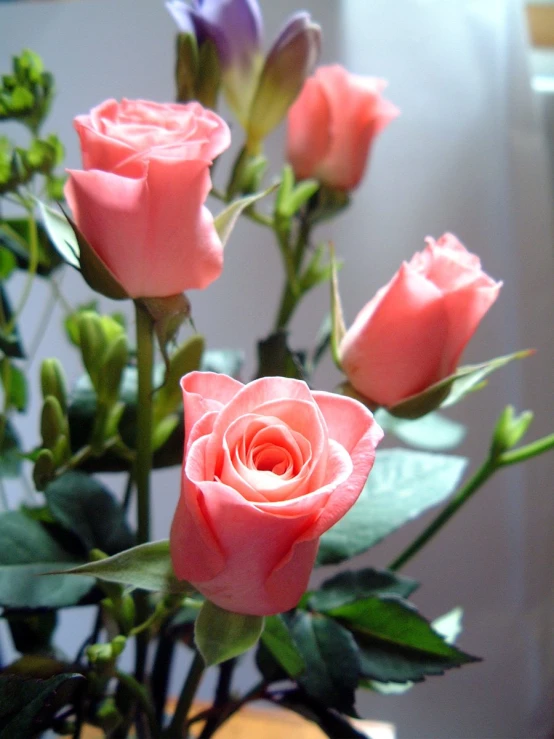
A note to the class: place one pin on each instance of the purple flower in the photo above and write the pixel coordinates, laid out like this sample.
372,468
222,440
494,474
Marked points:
258,91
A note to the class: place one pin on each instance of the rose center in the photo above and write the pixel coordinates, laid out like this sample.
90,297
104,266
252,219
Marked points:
270,458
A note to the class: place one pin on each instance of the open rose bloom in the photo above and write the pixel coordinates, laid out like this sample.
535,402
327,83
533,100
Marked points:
139,201
268,468
413,332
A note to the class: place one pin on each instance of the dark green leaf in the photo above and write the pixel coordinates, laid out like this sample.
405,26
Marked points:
431,432
61,235
348,587
10,344
31,631
221,635
147,566
278,640
331,657
276,359
396,643
84,506
10,453
28,551
27,706
14,235
7,263
15,385
401,486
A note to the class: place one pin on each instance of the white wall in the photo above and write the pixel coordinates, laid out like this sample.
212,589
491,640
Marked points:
466,156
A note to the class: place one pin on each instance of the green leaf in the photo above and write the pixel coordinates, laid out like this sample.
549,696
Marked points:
146,567
432,432
332,661
27,706
221,635
15,385
85,507
61,235
223,361
14,235
185,359
7,263
28,550
278,640
396,643
225,221
453,388
31,631
10,453
10,344
350,586
402,485
275,358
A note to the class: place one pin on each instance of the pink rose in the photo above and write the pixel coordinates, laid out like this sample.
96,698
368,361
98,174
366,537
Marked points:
412,333
332,124
269,466
139,200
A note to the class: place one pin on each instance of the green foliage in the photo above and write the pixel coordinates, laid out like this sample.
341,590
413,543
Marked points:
275,358
331,658
29,550
277,639
15,237
221,635
10,451
85,507
396,643
453,388
28,705
27,92
147,567
31,631
14,384
224,361
402,485
351,586
432,432
10,341
225,221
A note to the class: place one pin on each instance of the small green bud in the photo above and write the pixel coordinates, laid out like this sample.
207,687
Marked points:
113,364
186,68
53,423
44,469
208,78
509,430
52,381
108,715
92,341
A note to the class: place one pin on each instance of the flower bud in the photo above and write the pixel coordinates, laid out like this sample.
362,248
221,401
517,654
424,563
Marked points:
509,430
290,60
186,67
52,381
113,364
53,423
92,341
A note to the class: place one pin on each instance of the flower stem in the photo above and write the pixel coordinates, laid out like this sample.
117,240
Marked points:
175,728
489,467
143,461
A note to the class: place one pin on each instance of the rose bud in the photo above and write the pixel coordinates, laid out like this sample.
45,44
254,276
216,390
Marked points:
412,333
268,468
332,124
139,199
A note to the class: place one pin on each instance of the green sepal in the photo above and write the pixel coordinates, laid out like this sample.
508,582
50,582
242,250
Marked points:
221,635
452,389
509,430
225,221
146,567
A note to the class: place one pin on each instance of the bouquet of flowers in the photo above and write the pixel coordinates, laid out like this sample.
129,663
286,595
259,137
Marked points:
276,476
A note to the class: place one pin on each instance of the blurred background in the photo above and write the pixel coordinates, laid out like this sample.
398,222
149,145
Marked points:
472,153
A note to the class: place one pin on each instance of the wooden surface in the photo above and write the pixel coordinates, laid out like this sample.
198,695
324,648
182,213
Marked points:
541,24
274,723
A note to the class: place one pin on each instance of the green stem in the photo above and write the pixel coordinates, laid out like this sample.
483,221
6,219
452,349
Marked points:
489,467
478,479
143,463
139,693
31,272
527,451
175,728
